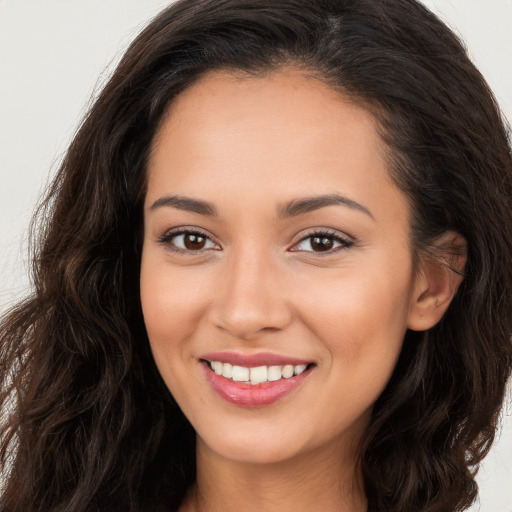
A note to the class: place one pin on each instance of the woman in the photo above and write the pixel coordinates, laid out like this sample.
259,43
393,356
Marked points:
316,198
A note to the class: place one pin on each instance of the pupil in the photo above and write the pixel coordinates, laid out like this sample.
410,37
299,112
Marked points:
321,243
194,241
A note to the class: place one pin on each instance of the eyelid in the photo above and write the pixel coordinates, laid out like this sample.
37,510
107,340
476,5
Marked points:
167,236
344,240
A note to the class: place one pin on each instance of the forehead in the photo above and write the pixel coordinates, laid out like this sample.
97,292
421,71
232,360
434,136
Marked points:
282,134
284,102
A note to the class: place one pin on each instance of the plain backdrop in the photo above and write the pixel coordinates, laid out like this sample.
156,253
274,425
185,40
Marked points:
56,54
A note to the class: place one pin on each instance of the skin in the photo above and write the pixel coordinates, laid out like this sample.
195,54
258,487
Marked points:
248,146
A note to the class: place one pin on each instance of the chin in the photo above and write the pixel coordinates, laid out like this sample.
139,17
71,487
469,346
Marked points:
252,447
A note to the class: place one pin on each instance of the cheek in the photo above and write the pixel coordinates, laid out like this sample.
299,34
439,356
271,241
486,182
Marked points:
172,302
362,316
171,309
360,307
168,316
361,325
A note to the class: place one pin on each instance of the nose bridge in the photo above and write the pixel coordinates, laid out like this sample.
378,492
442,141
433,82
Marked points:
251,296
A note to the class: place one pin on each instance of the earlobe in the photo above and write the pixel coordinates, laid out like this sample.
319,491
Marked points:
438,278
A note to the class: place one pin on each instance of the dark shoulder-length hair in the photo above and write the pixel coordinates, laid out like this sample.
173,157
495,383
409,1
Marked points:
88,424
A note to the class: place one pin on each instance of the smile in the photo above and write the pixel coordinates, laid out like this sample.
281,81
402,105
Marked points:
245,380
257,374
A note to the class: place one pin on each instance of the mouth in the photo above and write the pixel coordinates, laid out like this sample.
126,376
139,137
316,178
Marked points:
255,386
254,375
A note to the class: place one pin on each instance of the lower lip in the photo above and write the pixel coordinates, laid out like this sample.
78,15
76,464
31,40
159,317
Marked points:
253,395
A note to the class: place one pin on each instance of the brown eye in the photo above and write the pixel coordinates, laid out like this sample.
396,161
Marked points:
193,241
188,241
321,243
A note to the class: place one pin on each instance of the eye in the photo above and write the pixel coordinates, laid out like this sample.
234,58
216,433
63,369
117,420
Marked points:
323,242
186,241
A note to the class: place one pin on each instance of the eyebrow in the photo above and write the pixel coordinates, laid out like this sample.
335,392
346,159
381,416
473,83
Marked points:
291,209
308,204
186,203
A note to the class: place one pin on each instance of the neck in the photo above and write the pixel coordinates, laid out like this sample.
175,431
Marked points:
320,481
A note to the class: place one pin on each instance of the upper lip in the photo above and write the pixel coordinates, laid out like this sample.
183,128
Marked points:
252,360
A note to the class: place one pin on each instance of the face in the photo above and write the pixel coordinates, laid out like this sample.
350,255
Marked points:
276,277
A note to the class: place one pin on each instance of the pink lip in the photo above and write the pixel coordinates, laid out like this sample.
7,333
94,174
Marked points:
251,360
249,395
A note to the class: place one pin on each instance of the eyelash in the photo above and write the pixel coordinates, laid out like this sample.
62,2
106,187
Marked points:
344,243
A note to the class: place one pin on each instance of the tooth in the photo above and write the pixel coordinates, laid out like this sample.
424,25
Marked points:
258,374
227,370
299,369
274,373
288,371
240,374
217,367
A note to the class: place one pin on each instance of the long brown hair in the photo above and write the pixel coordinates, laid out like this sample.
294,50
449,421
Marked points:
88,424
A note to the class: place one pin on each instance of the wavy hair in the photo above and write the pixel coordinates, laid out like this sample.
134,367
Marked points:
88,424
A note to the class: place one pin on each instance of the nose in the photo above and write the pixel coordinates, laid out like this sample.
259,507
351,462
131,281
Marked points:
252,297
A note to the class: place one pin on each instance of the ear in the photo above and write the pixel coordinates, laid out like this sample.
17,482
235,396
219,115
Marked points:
438,277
